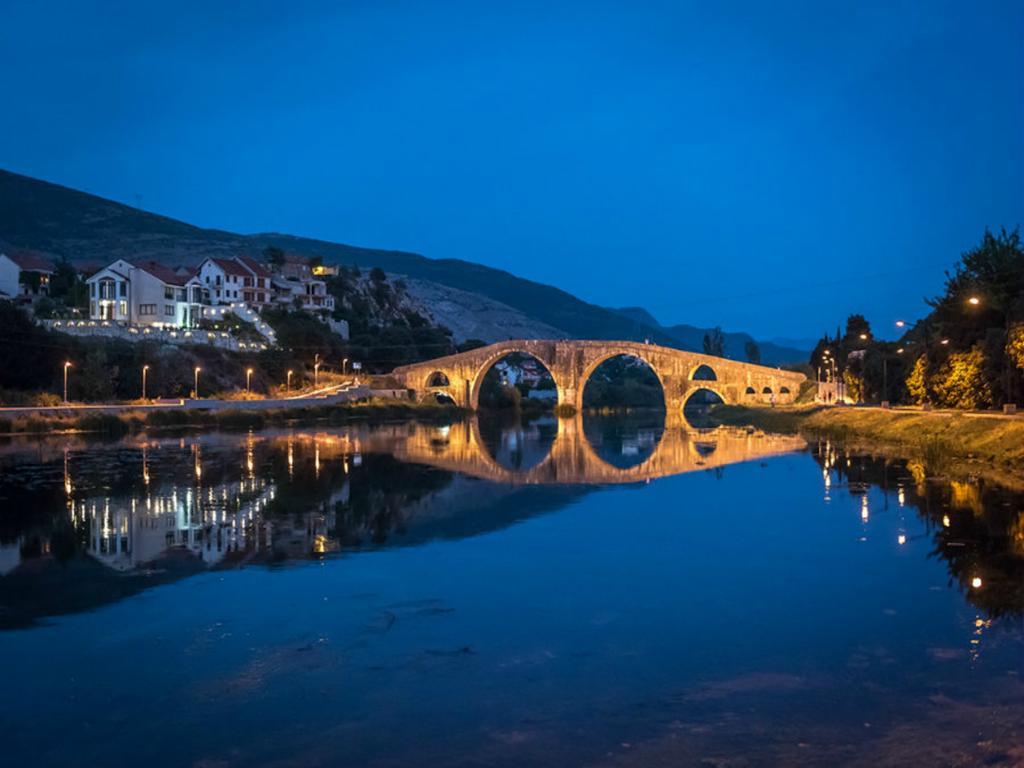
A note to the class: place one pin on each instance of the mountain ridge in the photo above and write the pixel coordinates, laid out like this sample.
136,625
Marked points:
83,227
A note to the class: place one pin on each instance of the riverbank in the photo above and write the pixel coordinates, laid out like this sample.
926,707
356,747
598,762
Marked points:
128,421
944,441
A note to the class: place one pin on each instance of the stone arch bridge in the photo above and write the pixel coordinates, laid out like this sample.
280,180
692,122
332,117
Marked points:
571,363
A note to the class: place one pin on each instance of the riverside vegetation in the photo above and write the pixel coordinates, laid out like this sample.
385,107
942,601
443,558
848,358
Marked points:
944,442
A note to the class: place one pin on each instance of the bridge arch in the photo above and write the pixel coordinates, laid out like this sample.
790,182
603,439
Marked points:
611,354
589,379
703,372
499,355
438,379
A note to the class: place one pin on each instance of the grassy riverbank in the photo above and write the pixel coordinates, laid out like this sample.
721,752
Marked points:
944,441
371,411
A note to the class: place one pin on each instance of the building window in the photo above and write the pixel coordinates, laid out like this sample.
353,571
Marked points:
124,308
124,288
92,290
147,309
92,305
168,293
169,310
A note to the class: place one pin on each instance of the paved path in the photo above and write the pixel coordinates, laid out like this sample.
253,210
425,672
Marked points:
329,396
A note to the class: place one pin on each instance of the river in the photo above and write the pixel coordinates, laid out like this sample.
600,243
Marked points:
592,592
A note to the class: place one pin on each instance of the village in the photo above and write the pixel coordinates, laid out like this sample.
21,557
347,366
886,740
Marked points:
144,299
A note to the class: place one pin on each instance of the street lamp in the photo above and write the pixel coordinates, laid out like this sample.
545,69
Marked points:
974,301
195,389
248,380
145,369
316,370
67,365
288,383
900,323
344,363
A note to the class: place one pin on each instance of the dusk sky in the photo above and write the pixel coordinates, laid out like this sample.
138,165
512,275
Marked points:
768,167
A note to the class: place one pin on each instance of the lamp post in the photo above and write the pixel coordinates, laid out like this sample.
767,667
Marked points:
67,365
344,365
248,380
195,388
288,383
316,370
145,369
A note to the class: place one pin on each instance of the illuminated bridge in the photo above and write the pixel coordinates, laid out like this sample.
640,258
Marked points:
571,363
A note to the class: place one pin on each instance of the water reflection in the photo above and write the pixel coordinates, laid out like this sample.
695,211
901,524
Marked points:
976,527
369,588
169,507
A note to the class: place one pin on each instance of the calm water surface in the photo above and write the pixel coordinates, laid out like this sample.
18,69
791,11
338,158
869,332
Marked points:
604,593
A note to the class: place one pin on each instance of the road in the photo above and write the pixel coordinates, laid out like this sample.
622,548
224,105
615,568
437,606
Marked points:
338,393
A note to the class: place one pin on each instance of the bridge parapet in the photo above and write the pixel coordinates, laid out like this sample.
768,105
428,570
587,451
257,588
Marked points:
571,362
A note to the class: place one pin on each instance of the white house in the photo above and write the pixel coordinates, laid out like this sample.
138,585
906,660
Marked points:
240,279
24,274
146,293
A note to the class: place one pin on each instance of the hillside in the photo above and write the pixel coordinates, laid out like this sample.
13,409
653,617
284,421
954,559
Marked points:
692,337
475,301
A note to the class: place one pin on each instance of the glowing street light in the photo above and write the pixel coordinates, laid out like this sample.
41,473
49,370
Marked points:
976,582
974,301
899,351
863,337
145,369
944,341
195,387
248,380
67,365
900,323
288,383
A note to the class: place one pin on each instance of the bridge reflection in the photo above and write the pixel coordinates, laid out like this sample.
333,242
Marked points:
572,458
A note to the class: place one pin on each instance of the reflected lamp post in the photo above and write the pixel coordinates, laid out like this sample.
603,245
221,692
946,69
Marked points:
67,366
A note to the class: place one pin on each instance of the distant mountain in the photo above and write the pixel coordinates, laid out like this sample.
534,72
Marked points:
692,338
85,228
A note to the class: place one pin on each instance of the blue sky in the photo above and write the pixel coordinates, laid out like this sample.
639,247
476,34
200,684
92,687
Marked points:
768,167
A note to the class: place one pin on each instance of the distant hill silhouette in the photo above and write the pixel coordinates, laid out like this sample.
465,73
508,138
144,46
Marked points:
692,337
55,219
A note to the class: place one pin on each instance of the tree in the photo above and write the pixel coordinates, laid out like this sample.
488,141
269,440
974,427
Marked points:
714,342
377,275
67,286
753,352
856,327
274,256
97,377
1015,346
961,381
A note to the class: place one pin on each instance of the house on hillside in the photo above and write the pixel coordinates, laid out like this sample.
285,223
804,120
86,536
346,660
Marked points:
295,284
145,293
24,274
240,279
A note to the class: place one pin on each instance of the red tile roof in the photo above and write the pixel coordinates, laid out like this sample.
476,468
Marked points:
163,273
232,267
258,269
30,261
